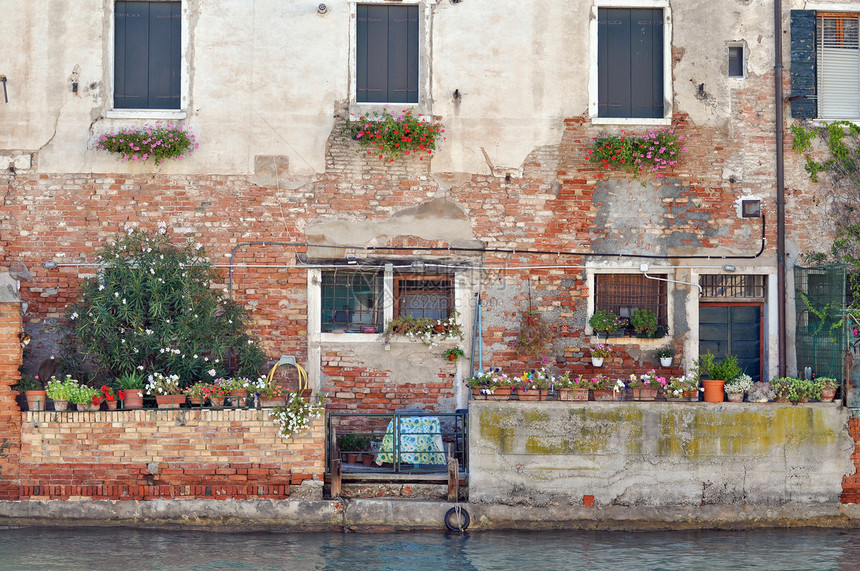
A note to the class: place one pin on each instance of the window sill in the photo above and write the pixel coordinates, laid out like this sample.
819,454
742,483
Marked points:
643,341
149,114
350,337
630,121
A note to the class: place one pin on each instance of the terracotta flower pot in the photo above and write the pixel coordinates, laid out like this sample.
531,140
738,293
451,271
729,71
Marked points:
216,402
713,390
573,394
89,407
239,398
133,398
112,404
196,401
827,395
60,405
644,393
528,394
735,397
603,395
36,400
500,393
169,401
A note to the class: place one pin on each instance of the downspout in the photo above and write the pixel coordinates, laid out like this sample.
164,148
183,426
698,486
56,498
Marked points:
780,186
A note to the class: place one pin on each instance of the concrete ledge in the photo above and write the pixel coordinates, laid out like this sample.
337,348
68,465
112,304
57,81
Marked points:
392,515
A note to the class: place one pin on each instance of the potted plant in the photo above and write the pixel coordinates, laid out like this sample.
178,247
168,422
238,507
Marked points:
604,389
492,384
131,384
605,321
825,388
791,389
760,392
165,389
85,398
111,397
644,322
599,353
531,385
60,391
646,386
269,392
34,392
431,332
350,445
738,387
682,389
718,372
665,355
453,354
198,393
296,414
570,389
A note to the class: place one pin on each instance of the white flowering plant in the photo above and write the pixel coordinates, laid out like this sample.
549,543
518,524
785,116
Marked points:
297,413
739,385
161,384
428,331
151,308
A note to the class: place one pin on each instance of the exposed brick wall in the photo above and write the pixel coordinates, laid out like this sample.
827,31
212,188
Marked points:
10,414
559,203
149,454
851,483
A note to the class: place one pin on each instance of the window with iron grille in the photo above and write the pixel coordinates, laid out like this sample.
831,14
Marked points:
423,296
351,301
729,287
623,294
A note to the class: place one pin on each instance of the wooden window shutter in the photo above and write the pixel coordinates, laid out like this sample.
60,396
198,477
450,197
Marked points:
630,63
803,64
131,55
386,54
165,35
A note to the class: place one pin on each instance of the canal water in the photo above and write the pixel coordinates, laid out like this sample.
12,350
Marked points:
137,550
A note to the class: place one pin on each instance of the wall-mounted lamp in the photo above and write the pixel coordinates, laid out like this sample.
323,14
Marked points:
49,265
3,79
751,208
729,268
351,260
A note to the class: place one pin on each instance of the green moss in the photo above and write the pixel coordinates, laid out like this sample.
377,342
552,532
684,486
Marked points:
492,431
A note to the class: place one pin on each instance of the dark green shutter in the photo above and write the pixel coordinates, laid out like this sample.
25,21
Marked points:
387,54
165,44
131,55
803,66
630,63
147,55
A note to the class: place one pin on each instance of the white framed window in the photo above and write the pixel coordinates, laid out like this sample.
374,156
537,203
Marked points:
630,72
355,304
149,78
390,55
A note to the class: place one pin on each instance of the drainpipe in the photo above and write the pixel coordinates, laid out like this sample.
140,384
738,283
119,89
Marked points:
780,184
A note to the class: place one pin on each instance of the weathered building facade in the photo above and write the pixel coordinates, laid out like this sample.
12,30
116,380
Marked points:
328,243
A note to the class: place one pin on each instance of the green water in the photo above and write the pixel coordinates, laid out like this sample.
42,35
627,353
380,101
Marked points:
134,549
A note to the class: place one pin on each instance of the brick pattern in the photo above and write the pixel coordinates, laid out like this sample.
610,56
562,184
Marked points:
557,203
148,454
10,414
851,483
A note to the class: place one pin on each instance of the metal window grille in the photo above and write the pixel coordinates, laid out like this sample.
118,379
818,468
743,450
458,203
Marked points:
728,287
351,301
625,293
423,296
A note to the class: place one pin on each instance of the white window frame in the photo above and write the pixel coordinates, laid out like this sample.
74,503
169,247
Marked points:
667,63
423,107
181,113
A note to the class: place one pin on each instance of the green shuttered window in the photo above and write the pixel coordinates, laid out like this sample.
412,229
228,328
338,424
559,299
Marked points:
386,54
147,58
630,63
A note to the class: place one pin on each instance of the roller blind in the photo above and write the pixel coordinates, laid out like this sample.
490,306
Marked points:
838,68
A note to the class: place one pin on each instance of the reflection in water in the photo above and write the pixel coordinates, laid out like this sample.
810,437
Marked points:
136,549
